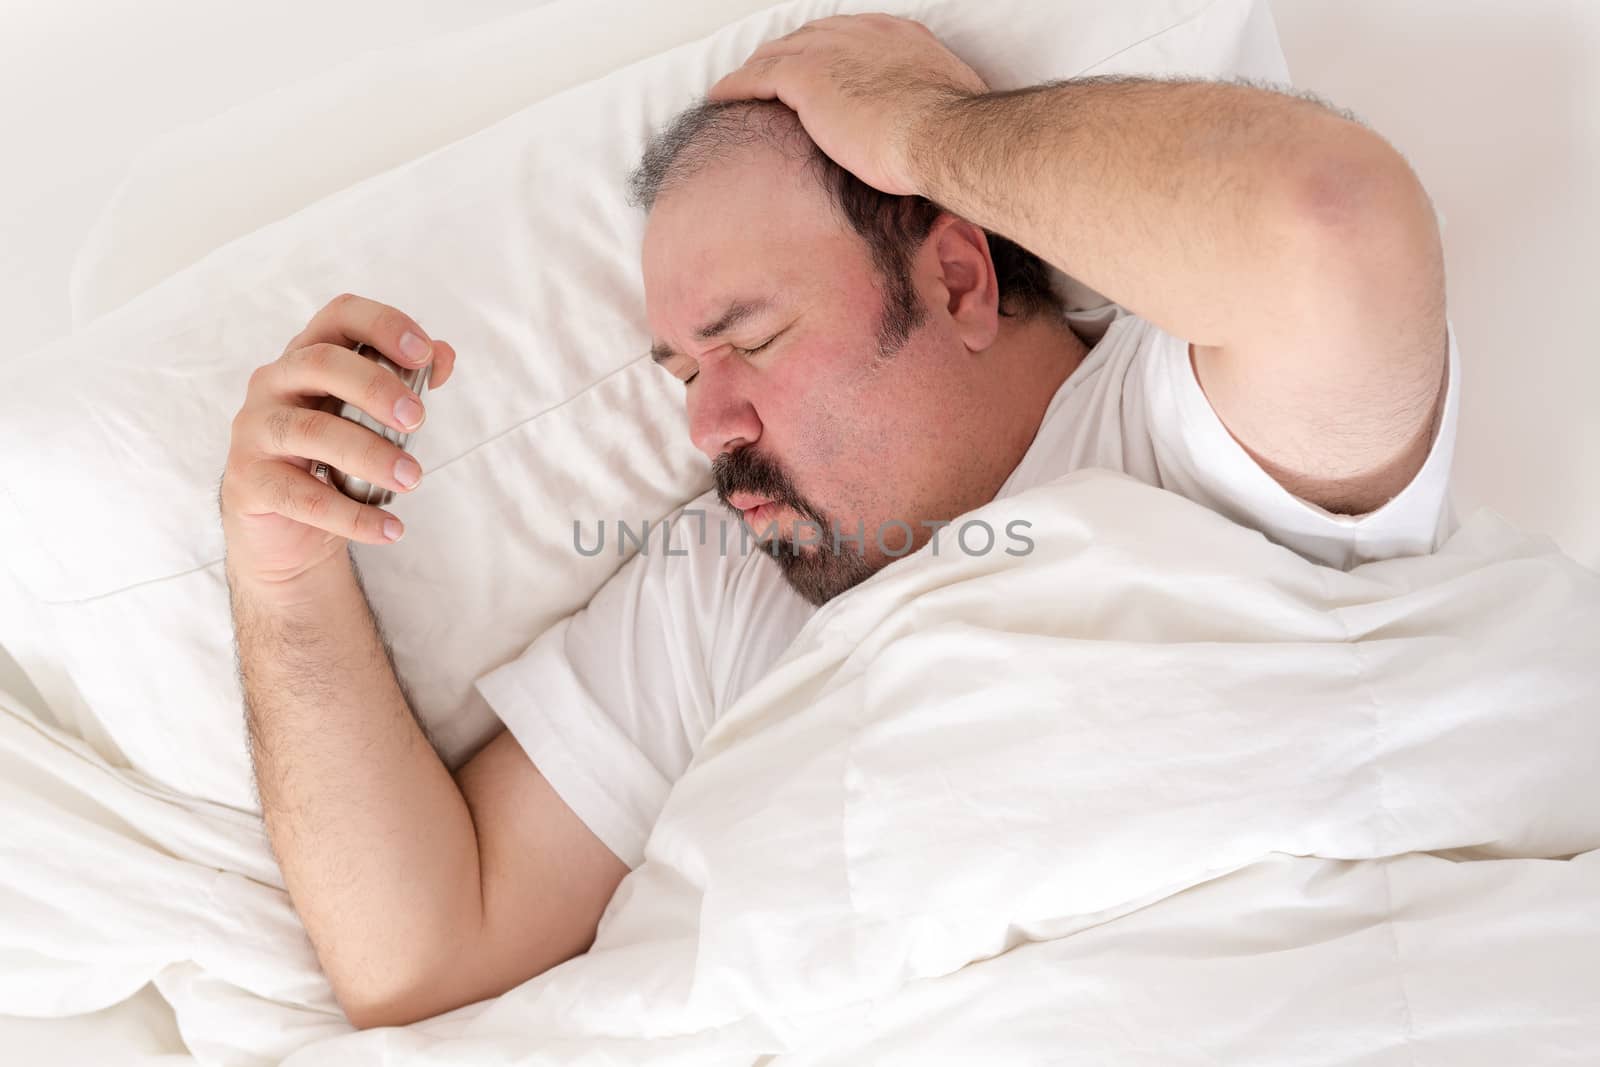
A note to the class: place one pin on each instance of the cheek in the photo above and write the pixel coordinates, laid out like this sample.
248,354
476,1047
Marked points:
812,412
828,401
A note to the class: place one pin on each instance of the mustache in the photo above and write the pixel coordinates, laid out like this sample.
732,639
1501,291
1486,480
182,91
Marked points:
747,471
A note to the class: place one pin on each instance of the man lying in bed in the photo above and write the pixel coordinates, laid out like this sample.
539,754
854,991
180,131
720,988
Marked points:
854,356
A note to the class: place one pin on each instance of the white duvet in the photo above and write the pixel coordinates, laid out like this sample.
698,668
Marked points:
1157,792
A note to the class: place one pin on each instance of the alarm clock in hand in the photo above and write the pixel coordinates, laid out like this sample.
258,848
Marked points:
351,484
366,361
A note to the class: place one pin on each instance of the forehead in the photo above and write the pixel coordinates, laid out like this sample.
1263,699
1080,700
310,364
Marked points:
753,226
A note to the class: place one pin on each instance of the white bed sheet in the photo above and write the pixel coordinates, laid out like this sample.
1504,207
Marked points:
1116,825
138,1032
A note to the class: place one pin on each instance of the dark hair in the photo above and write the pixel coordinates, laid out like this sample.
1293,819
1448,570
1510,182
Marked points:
892,226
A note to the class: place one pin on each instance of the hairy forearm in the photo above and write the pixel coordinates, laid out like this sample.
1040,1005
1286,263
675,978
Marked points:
1189,202
375,839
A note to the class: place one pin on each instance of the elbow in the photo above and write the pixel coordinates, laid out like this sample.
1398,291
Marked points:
1352,211
1350,188
393,996
404,994
371,1011
369,1017
397,985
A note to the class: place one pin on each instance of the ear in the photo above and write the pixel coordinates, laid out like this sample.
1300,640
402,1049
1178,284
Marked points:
969,290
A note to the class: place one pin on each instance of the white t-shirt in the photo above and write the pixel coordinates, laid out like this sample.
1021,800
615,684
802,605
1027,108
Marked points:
612,703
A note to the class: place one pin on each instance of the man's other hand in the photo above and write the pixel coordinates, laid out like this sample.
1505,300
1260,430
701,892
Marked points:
864,87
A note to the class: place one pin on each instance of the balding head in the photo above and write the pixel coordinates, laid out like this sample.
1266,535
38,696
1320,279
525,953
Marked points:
710,133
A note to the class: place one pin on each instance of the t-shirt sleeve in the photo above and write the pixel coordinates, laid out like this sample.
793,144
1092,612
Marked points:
1197,457
612,703
605,701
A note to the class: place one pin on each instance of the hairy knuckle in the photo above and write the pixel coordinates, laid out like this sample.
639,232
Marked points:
314,505
279,495
281,370
279,425
317,358
311,426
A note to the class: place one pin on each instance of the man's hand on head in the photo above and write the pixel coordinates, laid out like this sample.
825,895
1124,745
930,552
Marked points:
864,87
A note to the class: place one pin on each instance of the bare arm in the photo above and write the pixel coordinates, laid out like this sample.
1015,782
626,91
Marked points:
377,845
1201,204
421,891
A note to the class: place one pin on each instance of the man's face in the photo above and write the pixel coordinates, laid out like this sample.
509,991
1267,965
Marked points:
768,305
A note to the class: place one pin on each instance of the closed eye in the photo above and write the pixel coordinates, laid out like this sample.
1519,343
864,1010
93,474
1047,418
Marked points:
743,352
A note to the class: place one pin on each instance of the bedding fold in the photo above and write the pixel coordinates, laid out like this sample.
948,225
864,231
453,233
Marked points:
1168,773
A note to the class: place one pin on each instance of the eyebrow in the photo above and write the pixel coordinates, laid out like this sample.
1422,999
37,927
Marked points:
735,313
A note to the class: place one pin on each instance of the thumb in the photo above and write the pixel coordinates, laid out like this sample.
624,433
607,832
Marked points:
444,364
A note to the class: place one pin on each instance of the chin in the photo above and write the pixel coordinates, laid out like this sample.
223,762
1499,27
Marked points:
819,573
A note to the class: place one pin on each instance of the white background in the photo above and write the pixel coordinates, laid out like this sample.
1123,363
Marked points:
84,84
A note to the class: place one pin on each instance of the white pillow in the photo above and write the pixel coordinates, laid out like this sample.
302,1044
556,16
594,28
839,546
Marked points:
180,198
517,246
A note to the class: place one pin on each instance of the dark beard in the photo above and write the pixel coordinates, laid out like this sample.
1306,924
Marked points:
818,572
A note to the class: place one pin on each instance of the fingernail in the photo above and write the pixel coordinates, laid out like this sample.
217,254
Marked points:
408,412
406,471
393,530
414,347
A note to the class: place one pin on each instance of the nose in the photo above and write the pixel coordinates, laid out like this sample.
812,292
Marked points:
722,412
